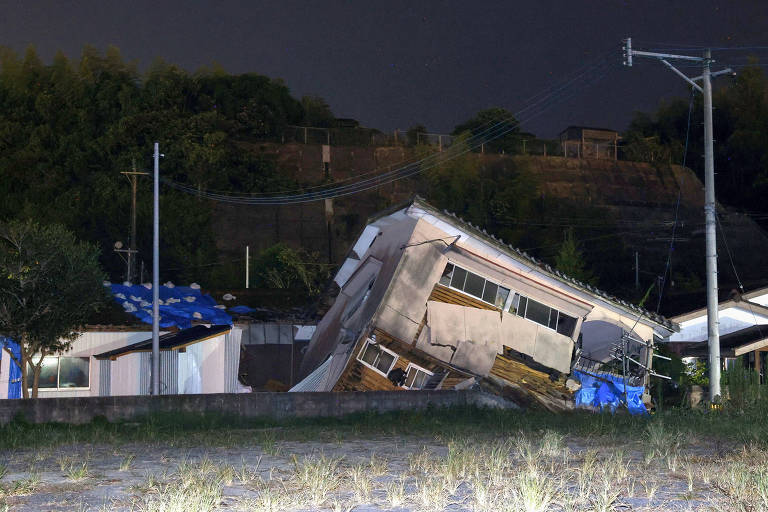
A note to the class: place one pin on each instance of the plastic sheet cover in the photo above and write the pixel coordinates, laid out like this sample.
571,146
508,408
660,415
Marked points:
14,377
608,393
179,305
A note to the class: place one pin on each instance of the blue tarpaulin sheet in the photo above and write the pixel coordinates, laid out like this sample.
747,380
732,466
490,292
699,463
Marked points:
179,305
608,392
14,377
241,310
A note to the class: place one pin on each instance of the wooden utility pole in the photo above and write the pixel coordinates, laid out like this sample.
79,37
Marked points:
132,251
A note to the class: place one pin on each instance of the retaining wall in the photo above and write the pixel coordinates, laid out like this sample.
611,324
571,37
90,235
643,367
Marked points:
247,405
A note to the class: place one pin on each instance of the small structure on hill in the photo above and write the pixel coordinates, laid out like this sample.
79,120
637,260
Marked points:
585,142
428,301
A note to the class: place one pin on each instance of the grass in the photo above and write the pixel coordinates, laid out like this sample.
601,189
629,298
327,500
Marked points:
126,462
194,430
474,458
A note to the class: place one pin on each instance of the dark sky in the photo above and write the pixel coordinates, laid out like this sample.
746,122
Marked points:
397,63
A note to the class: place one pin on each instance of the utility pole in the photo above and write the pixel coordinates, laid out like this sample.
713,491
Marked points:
156,276
132,251
247,267
637,270
713,324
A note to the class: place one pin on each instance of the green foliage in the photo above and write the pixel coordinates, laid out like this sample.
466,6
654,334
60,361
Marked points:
316,112
742,387
740,126
570,260
697,373
280,267
68,129
495,120
50,284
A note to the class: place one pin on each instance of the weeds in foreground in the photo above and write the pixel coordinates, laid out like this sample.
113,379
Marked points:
246,474
22,487
396,492
272,496
361,483
533,491
77,472
126,463
431,494
319,476
3,470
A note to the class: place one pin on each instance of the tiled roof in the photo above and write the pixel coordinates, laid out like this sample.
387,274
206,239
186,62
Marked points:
526,258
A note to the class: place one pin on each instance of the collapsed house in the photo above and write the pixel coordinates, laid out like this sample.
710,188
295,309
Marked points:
428,301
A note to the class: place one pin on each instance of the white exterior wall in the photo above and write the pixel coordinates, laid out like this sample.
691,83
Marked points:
190,370
5,372
88,344
731,320
125,375
213,365
760,299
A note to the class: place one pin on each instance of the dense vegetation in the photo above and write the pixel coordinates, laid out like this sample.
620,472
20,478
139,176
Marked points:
68,129
740,121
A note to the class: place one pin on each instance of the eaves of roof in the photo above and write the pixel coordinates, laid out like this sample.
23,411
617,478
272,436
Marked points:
731,303
169,341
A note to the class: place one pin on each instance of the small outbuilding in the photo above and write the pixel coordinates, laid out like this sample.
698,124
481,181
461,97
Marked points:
585,142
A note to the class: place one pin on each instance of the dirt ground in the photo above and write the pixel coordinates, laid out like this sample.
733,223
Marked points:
535,471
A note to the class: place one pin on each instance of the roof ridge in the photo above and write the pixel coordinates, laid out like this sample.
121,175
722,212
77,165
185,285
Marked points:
558,275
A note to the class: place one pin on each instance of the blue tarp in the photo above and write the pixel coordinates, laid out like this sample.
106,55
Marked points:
14,377
241,310
608,392
179,305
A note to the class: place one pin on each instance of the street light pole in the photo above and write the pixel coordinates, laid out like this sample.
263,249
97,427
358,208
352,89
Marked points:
156,276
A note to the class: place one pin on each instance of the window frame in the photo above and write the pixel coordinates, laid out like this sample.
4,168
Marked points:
58,375
551,308
368,342
485,282
418,369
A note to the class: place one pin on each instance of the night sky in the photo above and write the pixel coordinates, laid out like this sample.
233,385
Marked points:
397,63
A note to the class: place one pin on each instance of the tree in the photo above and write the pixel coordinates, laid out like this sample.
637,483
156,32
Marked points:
50,283
280,267
494,121
570,261
316,112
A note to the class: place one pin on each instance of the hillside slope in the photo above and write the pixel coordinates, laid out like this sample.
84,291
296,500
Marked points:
618,207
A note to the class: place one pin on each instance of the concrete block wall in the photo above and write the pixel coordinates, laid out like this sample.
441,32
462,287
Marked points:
274,406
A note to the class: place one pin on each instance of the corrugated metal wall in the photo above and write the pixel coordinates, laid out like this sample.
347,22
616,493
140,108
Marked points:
232,359
169,372
105,377
145,370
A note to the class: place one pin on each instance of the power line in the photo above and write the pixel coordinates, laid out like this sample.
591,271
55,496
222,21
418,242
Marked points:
497,130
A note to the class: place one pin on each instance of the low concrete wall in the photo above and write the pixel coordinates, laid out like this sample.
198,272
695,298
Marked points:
247,405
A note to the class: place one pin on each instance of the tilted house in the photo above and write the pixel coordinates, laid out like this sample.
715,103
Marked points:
428,301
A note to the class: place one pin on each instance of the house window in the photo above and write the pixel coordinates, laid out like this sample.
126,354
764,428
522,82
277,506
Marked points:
63,373
543,315
416,377
377,357
474,285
